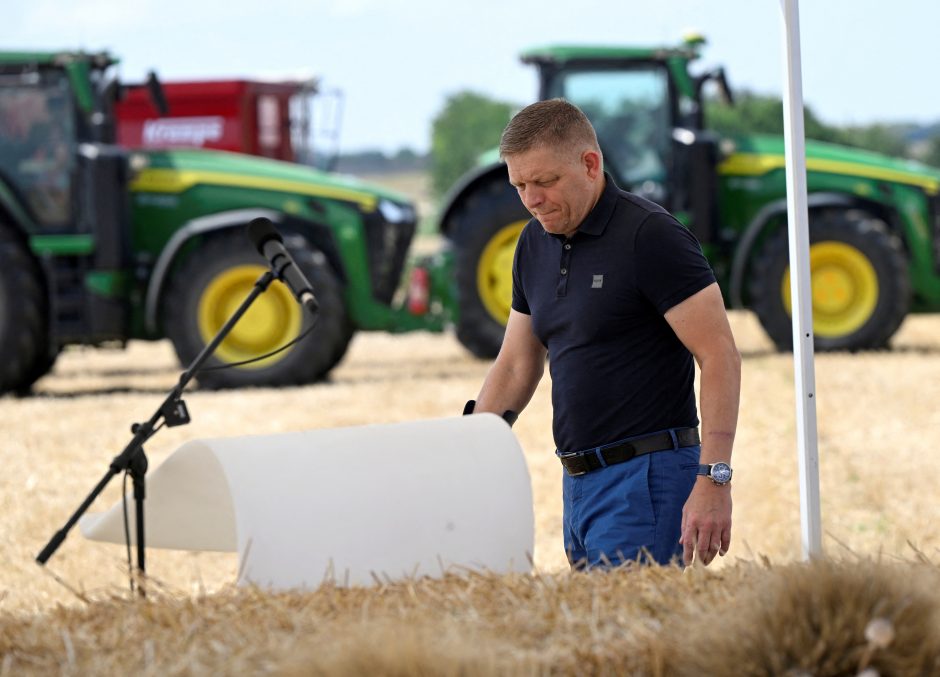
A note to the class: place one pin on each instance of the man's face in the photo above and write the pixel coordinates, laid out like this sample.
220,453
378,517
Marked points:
558,187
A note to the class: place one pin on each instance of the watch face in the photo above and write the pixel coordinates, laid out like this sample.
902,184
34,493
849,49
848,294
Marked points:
721,473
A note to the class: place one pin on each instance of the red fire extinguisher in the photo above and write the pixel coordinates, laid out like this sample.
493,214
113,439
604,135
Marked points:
419,291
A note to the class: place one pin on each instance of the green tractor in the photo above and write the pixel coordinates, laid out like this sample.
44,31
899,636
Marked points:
874,221
99,245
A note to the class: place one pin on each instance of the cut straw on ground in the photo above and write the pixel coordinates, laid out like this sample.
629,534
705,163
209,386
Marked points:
871,605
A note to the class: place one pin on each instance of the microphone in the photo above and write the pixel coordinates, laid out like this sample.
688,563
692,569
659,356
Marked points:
270,245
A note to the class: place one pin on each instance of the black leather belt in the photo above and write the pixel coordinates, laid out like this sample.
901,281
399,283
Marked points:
581,462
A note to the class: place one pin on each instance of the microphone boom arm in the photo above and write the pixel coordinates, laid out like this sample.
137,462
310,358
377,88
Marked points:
132,459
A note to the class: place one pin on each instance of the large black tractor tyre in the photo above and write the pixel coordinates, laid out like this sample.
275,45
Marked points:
24,341
209,286
487,227
860,286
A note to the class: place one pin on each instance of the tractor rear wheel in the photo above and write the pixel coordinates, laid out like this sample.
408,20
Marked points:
860,287
487,229
24,340
208,288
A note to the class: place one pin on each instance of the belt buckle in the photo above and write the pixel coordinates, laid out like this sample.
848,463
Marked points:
571,454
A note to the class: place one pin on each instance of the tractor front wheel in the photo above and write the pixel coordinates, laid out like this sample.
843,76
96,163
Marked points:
860,288
487,229
24,340
208,288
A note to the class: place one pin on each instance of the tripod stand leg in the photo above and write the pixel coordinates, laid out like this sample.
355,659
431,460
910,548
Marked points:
132,459
138,471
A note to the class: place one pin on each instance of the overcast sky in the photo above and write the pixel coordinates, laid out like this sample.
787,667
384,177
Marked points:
397,60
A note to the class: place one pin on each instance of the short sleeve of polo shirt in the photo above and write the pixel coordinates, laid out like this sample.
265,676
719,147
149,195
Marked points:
519,302
670,265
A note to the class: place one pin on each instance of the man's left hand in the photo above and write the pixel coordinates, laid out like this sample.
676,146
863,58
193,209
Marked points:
706,522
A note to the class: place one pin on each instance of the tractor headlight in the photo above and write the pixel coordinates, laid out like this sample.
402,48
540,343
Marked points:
394,212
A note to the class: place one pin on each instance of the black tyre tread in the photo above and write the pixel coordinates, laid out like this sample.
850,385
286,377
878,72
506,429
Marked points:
42,364
342,345
869,235
486,211
23,316
306,362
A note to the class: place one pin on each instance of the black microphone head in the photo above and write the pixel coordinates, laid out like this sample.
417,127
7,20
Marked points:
261,230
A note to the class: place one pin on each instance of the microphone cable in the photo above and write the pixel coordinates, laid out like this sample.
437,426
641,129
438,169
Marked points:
304,334
127,530
127,523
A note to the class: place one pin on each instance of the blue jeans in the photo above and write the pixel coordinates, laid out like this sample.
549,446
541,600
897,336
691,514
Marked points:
630,511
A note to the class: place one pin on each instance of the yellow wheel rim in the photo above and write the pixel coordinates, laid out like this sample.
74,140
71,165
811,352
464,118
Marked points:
494,271
845,288
271,321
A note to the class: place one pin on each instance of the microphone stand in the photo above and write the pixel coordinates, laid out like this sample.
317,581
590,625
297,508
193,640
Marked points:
132,459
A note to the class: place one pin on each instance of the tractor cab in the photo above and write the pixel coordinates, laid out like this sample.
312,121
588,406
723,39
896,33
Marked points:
38,138
647,112
63,187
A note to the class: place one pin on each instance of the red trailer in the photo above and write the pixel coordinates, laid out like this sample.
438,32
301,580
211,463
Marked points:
270,119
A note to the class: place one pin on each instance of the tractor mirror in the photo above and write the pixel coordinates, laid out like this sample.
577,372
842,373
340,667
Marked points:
722,81
157,95
718,75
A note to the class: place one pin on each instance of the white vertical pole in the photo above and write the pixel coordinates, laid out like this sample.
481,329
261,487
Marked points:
800,292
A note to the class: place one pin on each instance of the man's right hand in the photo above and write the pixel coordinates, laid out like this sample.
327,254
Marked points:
509,416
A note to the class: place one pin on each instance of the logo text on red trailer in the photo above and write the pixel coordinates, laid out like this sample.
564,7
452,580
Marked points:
183,131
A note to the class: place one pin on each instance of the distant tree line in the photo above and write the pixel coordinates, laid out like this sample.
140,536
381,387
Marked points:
469,124
378,162
762,114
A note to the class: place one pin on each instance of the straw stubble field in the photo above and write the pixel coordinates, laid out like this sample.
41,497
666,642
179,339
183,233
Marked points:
879,477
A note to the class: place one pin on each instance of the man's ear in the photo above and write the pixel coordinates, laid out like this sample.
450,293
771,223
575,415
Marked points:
591,160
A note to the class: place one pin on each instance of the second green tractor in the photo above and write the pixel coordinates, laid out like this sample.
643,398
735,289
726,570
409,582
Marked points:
874,221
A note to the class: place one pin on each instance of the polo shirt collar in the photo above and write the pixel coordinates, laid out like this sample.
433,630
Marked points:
596,220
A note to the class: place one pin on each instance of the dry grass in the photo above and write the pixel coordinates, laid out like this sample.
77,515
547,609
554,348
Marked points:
745,620
877,418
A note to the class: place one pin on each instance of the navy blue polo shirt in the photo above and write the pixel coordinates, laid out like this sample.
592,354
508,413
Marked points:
597,301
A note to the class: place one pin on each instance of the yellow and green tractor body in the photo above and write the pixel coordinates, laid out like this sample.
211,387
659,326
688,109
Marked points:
874,220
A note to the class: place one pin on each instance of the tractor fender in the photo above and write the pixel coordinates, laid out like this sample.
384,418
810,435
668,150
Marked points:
757,226
468,183
198,226
317,235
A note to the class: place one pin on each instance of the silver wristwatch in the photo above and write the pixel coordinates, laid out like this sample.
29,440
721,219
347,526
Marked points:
719,473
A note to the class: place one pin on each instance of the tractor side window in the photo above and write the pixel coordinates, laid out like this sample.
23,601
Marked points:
36,145
630,112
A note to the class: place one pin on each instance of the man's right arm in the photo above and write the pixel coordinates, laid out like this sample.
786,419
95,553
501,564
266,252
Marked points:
518,368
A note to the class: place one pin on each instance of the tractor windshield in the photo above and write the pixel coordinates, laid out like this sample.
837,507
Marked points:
629,108
36,138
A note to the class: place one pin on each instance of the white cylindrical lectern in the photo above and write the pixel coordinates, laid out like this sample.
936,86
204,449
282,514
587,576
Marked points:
346,505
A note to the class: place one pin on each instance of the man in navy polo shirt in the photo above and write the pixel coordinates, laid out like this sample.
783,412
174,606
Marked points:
620,297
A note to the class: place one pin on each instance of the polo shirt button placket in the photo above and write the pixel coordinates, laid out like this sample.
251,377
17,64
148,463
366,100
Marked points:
562,288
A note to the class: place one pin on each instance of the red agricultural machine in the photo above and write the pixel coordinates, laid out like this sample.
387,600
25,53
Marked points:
273,119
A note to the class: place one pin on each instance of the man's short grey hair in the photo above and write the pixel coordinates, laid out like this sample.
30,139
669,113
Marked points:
554,123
